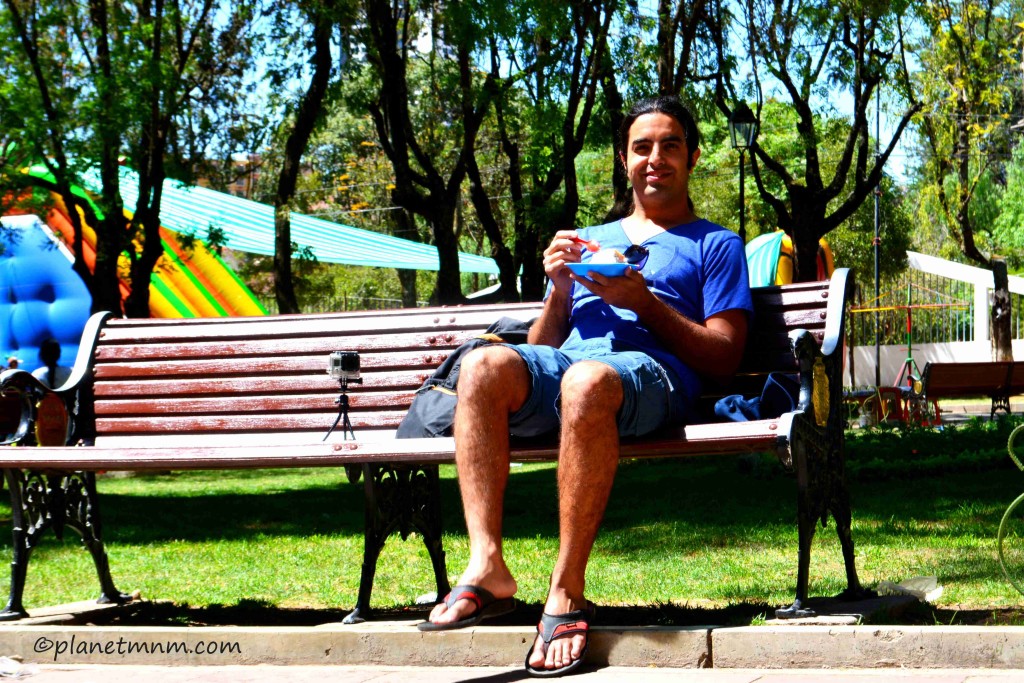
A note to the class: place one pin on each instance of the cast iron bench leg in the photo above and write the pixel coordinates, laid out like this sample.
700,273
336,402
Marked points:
840,507
39,503
84,504
399,498
806,520
1000,403
21,547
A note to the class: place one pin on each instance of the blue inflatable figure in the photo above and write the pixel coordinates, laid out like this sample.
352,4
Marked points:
41,297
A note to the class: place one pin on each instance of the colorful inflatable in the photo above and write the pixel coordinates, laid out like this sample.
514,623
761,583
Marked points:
183,285
41,297
770,259
191,284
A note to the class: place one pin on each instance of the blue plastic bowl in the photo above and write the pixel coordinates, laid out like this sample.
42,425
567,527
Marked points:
608,269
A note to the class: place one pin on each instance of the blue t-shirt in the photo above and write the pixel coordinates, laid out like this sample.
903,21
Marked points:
697,268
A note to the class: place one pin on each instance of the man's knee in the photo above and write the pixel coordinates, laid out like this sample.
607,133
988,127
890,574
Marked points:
592,388
493,369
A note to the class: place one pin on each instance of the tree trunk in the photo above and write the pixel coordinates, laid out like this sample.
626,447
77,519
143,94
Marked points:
407,278
507,272
533,267
106,295
111,233
449,279
146,221
1001,334
305,119
805,252
622,197
78,243
136,305
404,225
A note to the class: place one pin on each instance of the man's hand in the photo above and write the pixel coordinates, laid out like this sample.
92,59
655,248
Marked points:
627,291
566,247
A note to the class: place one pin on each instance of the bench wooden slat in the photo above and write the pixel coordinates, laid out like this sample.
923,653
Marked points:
242,440
238,422
309,353
956,380
253,404
370,342
697,439
510,309
232,386
1017,379
312,367
327,325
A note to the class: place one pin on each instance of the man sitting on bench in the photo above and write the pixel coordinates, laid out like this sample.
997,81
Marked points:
609,356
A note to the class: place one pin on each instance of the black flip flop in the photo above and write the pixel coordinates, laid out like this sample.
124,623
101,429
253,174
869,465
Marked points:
487,607
555,626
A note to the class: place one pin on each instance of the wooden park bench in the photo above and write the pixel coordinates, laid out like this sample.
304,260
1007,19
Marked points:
997,380
254,393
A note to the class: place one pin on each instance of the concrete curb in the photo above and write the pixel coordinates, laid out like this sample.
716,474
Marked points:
400,644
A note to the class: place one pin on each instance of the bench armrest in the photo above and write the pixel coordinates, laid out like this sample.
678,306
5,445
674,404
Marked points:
36,403
840,291
18,387
75,394
81,372
821,367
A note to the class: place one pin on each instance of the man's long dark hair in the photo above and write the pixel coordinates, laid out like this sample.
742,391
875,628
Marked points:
662,104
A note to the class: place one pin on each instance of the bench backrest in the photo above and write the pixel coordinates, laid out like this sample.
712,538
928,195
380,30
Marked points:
264,380
986,378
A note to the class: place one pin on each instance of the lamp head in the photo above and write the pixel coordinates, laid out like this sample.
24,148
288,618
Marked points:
742,127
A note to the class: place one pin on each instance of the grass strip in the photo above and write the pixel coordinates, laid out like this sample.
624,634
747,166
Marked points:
694,533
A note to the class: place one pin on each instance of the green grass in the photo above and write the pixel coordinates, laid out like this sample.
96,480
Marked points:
697,533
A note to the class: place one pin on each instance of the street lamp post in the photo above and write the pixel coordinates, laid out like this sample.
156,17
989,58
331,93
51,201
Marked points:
743,131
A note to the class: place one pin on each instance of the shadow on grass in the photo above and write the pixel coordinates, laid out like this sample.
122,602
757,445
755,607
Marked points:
255,613
719,497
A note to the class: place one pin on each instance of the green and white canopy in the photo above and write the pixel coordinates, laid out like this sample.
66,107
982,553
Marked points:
249,226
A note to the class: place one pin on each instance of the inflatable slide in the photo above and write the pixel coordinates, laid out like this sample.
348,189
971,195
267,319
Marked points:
42,297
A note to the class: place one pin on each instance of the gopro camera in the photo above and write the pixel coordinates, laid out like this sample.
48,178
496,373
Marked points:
343,365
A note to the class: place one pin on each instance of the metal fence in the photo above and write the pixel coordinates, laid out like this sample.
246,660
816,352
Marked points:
341,303
935,309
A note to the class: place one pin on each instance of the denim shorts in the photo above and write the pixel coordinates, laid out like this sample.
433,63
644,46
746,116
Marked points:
650,398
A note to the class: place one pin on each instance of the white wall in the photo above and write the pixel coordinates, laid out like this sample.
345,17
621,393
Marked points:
893,356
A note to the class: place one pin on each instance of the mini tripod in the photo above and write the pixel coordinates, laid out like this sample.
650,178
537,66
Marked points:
342,403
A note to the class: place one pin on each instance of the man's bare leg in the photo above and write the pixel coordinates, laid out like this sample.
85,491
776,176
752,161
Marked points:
587,461
493,383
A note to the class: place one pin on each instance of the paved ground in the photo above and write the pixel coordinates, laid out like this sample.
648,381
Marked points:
355,674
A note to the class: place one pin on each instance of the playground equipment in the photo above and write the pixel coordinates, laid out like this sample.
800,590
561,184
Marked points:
193,281
183,285
41,296
1011,528
770,259
905,397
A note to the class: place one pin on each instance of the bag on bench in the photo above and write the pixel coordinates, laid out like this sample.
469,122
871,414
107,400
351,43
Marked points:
432,412
781,394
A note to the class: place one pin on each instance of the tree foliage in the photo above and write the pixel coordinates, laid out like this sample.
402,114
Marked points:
95,84
486,125
810,51
968,58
